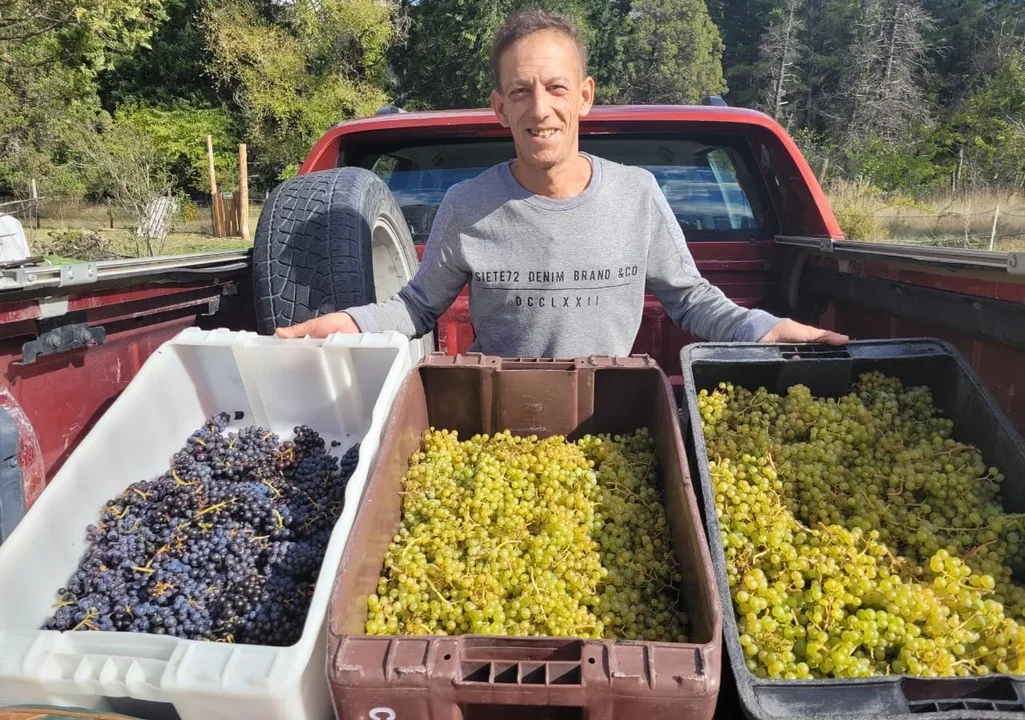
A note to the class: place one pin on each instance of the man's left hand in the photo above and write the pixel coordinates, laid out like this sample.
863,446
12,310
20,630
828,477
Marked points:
790,331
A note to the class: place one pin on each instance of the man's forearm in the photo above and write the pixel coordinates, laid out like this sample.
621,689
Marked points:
392,314
710,315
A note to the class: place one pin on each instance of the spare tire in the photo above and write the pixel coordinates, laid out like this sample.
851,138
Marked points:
327,241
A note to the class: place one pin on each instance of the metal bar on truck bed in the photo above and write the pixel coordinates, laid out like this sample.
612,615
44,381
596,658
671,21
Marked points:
88,273
985,259
998,321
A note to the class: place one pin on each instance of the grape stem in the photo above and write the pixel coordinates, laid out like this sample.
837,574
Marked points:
977,548
436,592
219,506
178,480
87,620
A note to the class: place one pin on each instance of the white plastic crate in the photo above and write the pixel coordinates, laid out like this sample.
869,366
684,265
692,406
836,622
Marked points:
342,387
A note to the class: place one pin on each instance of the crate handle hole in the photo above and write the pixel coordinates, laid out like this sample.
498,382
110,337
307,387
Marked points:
815,351
515,712
505,675
591,660
995,691
476,672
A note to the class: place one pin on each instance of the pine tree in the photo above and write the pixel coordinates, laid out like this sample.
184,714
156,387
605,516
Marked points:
673,53
742,24
780,51
445,62
884,88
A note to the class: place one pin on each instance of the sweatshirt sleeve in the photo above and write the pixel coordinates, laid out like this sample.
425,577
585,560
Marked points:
693,303
414,310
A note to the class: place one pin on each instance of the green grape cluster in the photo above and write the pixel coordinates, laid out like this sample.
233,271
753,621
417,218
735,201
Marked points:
507,535
860,538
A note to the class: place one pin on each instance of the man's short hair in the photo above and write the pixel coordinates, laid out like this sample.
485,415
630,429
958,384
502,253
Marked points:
523,23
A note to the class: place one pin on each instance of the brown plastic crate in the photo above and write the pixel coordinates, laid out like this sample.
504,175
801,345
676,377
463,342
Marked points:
473,677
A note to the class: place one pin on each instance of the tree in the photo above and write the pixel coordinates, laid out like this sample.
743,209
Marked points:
673,53
178,133
446,59
170,68
605,21
50,54
780,50
884,95
88,33
990,126
743,24
828,38
131,171
296,69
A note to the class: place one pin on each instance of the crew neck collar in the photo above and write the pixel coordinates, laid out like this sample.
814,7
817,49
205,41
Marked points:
518,192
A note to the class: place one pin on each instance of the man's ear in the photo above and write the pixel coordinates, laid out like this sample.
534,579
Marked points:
587,95
498,105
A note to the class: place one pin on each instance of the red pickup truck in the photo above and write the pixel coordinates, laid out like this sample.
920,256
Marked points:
350,227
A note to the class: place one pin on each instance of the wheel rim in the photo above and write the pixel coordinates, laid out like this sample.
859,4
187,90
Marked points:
392,271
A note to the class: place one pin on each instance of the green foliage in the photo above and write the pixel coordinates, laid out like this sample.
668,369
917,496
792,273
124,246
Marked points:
322,62
605,22
171,68
41,113
896,166
88,34
179,134
742,24
277,74
856,205
673,53
50,54
991,124
445,61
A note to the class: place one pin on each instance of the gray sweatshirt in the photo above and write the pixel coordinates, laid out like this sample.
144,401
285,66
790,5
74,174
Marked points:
560,278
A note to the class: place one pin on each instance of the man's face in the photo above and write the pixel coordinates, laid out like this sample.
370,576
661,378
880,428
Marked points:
542,95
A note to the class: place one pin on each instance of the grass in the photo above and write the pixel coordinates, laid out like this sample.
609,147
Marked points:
864,213
192,235
939,220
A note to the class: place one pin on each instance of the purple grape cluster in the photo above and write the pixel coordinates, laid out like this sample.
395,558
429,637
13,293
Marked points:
226,545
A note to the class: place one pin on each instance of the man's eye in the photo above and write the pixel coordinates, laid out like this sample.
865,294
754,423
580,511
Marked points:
519,91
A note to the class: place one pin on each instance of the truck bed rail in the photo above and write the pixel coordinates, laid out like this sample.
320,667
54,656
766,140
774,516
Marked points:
136,269
1012,263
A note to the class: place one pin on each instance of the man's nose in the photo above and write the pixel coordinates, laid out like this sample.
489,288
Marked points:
539,107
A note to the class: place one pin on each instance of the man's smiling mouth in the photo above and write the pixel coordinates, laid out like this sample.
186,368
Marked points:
543,134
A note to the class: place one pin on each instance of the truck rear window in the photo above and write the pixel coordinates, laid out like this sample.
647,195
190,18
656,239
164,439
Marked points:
708,181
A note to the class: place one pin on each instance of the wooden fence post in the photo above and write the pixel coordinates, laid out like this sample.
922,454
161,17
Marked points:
218,227
35,202
823,166
993,232
243,191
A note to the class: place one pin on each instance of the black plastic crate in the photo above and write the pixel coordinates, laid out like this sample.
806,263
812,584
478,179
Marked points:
829,372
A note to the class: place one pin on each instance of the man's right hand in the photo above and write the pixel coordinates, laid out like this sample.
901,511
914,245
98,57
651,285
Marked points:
321,327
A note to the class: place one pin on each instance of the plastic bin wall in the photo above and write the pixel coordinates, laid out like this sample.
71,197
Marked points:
474,677
342,387
829,372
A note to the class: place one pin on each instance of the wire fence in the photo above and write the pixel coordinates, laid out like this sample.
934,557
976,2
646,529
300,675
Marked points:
65,230
954,222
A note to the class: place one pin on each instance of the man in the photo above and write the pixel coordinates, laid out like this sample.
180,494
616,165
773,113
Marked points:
557,246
